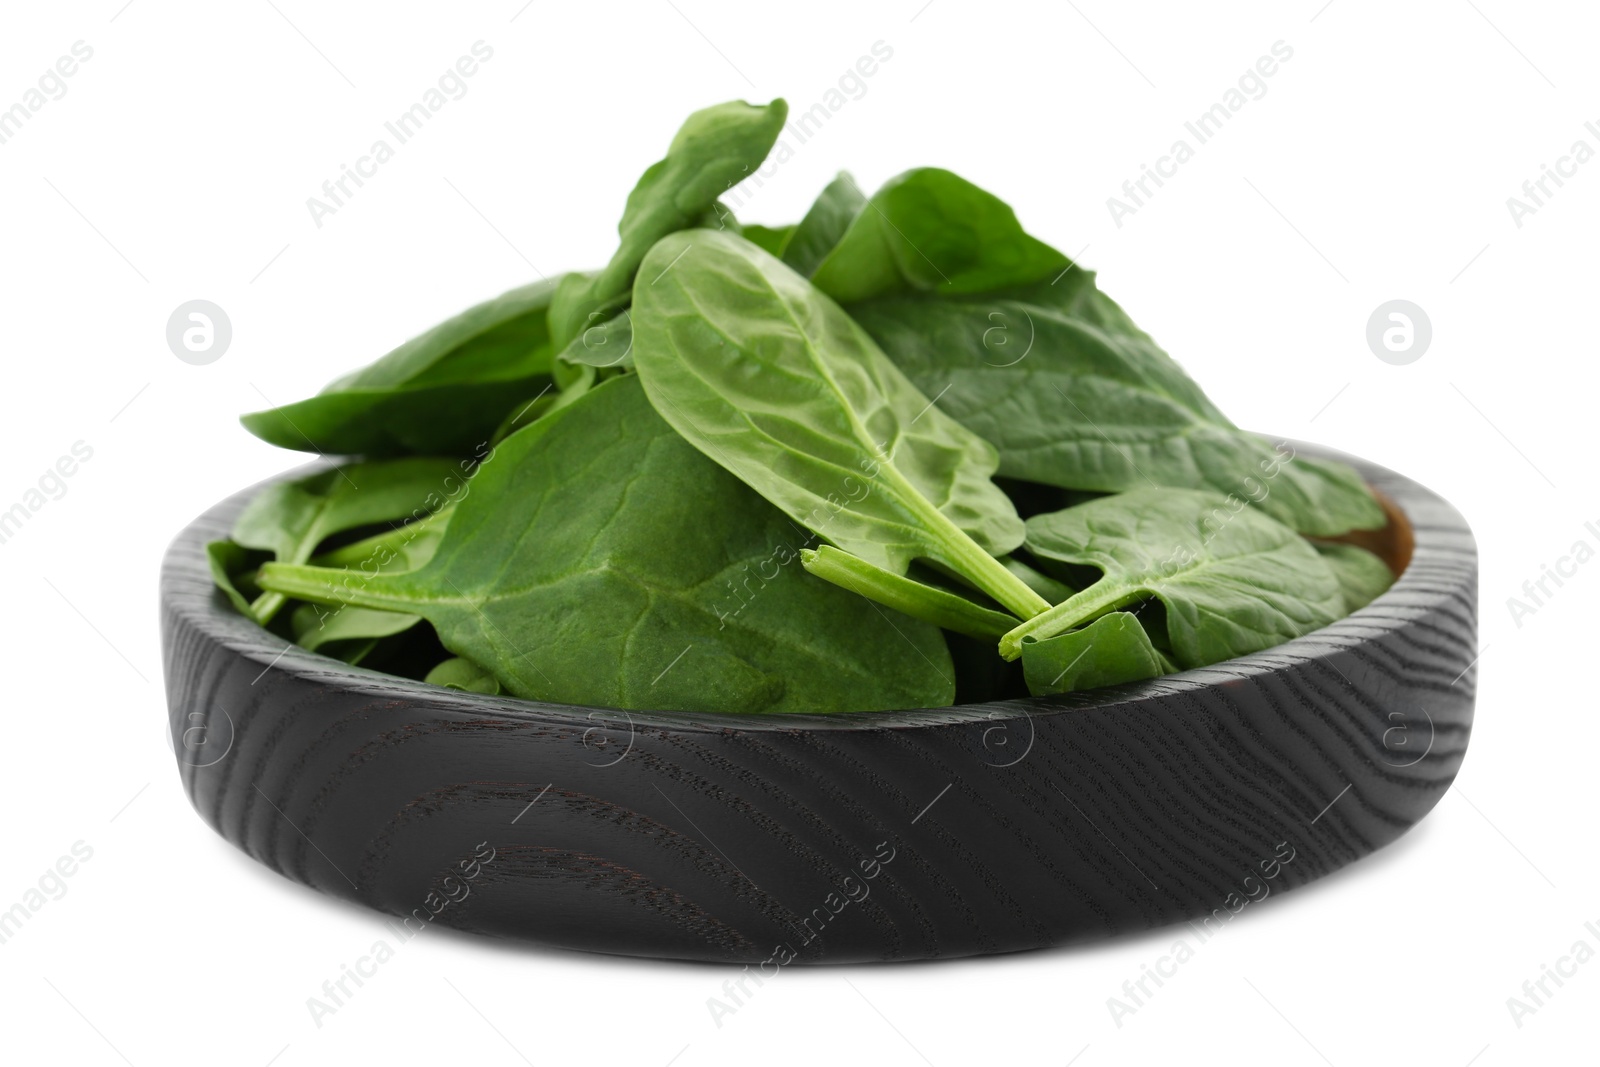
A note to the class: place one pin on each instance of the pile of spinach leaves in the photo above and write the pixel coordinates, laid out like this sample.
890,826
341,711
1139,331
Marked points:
899,454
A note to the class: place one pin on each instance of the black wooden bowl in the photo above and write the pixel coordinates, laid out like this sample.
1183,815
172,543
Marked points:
831,839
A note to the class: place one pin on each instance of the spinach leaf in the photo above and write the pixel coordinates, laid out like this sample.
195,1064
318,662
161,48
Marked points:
233,570
770,378
880,392
463,674
346,633
715,149
1233,580
532,411
605,345
403,548
944,609
1052,372
440,393
1111,650
352,633
1362,575
770,239
824,225
595,562
290,519
931,231
1074,395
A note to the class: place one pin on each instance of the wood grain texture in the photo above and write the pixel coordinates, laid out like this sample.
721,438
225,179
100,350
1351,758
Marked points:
1008,826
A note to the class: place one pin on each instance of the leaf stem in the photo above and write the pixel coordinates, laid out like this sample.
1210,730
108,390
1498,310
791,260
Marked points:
944,609
317,585
985,572
1093,602
265,607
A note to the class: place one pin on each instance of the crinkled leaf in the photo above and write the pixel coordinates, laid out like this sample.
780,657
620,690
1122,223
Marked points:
770,378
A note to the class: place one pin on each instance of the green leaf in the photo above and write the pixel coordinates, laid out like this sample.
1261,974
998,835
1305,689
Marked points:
770,239
346,633
1111,650
404,548
1074,395
351,633
600,559
463,674
232,569
824,224
716,148
541,405
290,519
440,393
605,345
1362,576
931,231
942,608
1233,580
770,378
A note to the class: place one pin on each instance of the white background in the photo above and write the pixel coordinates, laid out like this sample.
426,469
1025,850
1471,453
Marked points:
1377,166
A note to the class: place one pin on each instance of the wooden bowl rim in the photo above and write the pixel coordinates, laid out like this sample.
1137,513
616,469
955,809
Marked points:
213,616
